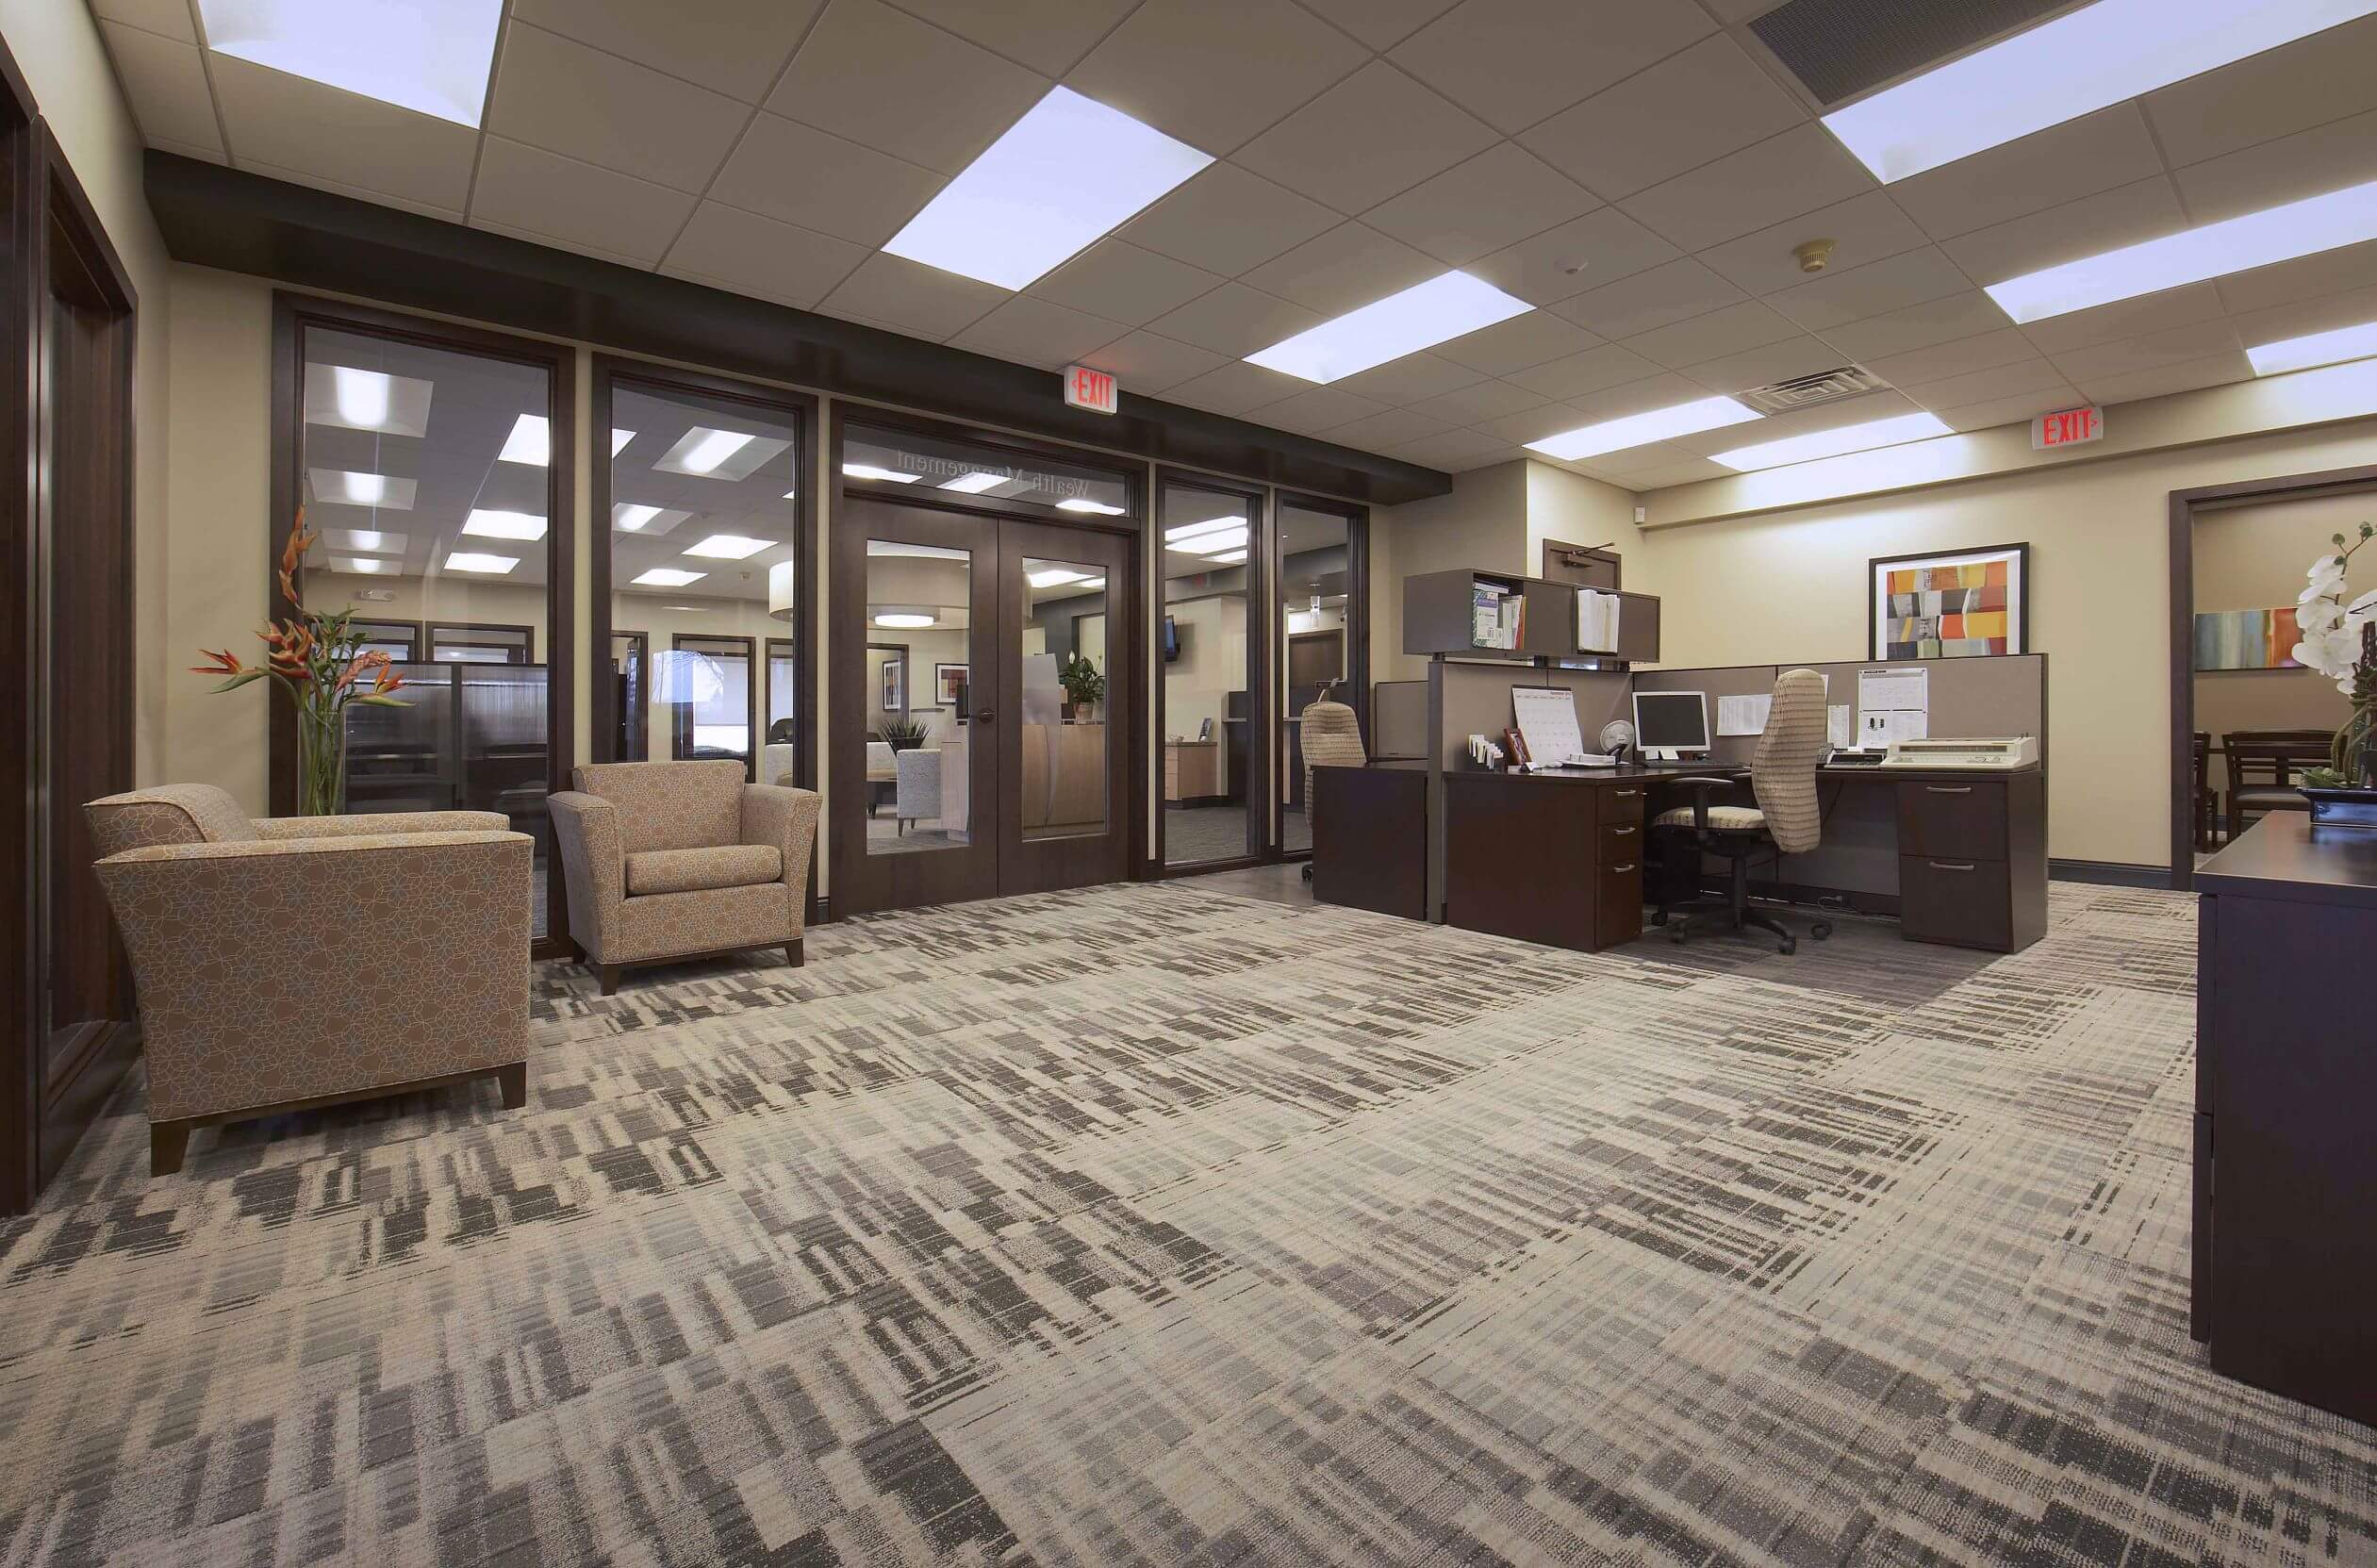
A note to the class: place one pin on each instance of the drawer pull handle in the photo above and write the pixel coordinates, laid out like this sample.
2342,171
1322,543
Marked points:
1949,789
1616,870
1951,865
1621,831
1628,794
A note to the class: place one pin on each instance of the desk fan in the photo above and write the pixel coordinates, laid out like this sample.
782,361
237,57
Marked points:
1617,738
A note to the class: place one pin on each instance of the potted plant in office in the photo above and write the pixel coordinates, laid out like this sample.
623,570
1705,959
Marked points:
1082,685
902,733
2339,640
319,661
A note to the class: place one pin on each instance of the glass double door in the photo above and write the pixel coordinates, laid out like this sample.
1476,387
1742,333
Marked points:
982,703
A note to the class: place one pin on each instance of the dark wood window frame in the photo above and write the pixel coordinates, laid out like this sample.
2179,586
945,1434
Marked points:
767,694
1357,677
681,722
293,315
386,628
527,645
1262,721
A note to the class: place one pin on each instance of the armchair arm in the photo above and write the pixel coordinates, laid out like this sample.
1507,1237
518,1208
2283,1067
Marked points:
382,824
586,829
786,818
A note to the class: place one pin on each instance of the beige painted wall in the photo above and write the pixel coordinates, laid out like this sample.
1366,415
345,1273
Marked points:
1482,522
58,47
1575,509
2254,559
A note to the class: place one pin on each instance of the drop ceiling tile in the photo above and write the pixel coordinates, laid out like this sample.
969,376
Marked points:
865,71
1348,267
184,149
1531,424
1863,229
2163,380
1800,422
558,94
1124,283
1314,409
1456,449
1687,111
799,176
2003,381
2107,220
1690,472
167,86
1380,24
2106,323
1035,331
1941,321
1876,288
562,242
2176,345
1512,62
922,301
1599,248
1485,399
2352,307
1415,376
1147,362
1762,367
337,187
169,18
527,188
1495,199
1374,135
2310,163
326,135
1214,72
1801,171
2019,409
1049,36
2277,92
1961,356
1652,456
732,249
1235,320
2305,277
1575,374
1234,388
1227,221
1515,344
2045,168
1746,325
1663,390
731,46
1386,431
1676,291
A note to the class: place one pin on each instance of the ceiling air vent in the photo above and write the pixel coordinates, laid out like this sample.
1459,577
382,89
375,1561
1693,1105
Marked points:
1806,392
1841,48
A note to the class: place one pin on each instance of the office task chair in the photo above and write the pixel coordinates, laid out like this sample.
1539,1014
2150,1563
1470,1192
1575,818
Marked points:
1332,739
1786,819
2262,766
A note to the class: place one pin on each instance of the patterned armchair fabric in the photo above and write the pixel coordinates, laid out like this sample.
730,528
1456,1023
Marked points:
290,963
672,859
918,795
1783,769
1332,737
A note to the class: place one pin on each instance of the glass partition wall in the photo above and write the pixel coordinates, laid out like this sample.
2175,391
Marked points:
1322,644
1210,647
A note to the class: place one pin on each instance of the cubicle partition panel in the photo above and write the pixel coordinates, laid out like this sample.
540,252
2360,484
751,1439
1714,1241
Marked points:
1398,723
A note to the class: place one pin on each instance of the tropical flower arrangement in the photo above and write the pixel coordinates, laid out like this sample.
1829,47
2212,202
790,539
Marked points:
2339,640
319,661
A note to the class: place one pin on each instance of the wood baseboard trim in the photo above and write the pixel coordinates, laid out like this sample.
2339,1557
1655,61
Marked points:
2109,873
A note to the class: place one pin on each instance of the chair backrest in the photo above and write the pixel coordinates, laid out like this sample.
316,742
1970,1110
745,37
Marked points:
1332,737
669,805
168,814
1783,769
2272,757
878,758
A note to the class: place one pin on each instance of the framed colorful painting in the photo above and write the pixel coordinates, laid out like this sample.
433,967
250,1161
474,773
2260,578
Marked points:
1951,604
2247,640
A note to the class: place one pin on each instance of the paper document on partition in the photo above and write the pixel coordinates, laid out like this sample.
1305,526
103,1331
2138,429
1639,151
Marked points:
1546,718
1839,733
1744,715
1598,620
1893,704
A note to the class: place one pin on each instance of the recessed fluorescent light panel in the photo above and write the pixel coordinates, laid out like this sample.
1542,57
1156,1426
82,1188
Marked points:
346,398
1424,314
2318,348
432,56
492,524
1084,503
868,471
345,487
1066,173
363,564
1834,443
464,560
2274,234
1214,537
729,547
2077,64
629,518
1659,424
377,541
667,577
708,454
1231,558
973,484
1055,577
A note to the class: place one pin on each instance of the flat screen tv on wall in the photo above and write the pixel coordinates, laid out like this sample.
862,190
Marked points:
1171,639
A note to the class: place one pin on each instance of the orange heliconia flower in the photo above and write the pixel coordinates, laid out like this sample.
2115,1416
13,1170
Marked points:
218,664
373,659
299,542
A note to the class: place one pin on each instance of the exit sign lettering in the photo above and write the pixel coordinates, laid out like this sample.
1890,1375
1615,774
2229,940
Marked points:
1090,389
2069,427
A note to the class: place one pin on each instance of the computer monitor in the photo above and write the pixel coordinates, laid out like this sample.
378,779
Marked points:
1668,725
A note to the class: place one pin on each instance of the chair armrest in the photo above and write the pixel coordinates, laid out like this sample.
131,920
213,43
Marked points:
787,820
382,824
586,830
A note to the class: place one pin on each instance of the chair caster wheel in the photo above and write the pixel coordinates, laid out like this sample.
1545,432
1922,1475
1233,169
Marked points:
1788,946
1658,916
1820,930
1308,871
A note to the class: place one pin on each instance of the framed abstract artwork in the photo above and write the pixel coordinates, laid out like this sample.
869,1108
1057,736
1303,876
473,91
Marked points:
895,695
2247,640
1951,604
948,680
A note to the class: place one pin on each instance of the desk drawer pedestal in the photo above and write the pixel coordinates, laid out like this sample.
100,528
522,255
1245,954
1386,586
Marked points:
1973,861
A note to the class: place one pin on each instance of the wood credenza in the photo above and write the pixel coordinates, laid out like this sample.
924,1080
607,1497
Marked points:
1063,776
1193,771
1546,857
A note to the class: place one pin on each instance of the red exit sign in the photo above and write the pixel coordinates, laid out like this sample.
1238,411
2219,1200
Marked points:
1090,389
2069,427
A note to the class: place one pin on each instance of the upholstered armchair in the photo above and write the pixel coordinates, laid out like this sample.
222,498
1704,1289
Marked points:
298,962
916,794
675,860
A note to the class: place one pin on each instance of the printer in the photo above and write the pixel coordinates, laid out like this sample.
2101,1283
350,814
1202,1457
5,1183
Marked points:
1983,754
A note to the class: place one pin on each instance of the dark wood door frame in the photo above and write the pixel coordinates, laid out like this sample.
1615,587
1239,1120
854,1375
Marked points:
1262,847
1032,865
681,722
2284,486
1357,677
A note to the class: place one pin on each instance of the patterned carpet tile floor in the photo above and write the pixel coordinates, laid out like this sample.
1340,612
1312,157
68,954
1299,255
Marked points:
1150,1224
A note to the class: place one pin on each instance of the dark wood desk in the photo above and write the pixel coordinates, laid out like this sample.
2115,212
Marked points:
2285,1081
1370,837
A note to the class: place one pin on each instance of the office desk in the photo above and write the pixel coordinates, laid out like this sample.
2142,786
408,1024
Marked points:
1370,837
1557,857
2285,1259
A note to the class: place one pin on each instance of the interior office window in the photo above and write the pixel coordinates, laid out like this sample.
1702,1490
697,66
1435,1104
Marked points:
1315,649
425,477
399,639
920,794
704,548
1065,737
952,470
1205,638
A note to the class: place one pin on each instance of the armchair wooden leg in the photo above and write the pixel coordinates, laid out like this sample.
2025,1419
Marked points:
610,973
168,1143
795,954
513,1077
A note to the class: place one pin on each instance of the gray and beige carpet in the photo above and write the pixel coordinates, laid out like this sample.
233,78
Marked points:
1149,1224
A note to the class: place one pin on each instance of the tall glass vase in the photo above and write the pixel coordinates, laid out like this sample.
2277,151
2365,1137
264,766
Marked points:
321,760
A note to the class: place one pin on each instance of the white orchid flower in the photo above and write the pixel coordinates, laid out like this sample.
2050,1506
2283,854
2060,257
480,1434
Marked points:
2326,573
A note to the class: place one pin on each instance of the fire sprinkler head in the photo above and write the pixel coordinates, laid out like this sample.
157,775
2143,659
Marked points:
1813,257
